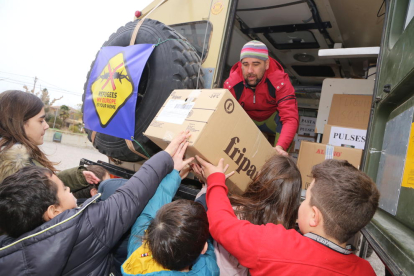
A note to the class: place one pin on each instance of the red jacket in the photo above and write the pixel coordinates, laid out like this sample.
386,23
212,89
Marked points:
273,93
271,249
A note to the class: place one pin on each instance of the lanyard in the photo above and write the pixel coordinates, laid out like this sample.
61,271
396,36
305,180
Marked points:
328,243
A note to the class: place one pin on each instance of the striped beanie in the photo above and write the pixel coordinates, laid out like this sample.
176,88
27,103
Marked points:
254,49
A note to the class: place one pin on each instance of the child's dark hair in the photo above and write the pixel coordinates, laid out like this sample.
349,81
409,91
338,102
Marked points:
100,173
273,196
178,233
346,197
24,198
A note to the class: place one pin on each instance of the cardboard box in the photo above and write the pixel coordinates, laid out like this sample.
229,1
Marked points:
350,111
220,128
311,154
344,136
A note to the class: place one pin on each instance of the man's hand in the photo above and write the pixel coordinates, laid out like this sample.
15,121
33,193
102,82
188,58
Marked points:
281,151
90,177
175,143
209,169
179,163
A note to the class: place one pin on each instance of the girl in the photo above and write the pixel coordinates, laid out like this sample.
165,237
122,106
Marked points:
22,128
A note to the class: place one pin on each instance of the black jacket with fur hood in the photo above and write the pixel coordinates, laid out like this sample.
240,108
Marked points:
79,241
13,160
17,157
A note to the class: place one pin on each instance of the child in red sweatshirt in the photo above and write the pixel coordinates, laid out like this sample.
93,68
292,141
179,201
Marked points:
339,202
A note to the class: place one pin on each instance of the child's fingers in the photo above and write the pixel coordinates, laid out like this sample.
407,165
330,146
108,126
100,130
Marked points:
225,168
196,168
229,174
202,162
221,163
188,161
179,152
183,148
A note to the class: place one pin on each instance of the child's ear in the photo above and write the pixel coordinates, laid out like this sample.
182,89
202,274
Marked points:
204,249
316,217
51,212
93,191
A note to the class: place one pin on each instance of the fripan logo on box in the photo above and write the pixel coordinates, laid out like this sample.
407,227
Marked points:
238,157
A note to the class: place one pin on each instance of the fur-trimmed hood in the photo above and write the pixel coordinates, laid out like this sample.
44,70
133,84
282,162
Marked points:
13,160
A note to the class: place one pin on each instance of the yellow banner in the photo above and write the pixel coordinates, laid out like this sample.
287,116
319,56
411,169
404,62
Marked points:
111,89
408,177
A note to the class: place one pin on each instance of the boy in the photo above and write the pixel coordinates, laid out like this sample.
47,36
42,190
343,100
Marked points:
339,202
102,174
171,237
47,235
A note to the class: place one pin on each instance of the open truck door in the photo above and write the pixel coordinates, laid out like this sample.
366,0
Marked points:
389,153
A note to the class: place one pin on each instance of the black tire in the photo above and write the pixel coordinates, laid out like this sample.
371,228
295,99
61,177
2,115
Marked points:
173,64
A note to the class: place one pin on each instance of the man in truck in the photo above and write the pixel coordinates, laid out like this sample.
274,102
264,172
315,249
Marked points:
263,89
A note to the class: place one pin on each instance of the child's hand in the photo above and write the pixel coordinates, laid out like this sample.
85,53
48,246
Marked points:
199,172
179,163
173,146
209,169
185,171
90,177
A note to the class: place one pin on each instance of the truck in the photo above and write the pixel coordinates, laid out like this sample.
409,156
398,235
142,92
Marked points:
362,46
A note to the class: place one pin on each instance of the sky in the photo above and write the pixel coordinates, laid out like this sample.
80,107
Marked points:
56,41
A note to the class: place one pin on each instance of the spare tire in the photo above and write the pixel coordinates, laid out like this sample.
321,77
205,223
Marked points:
172,65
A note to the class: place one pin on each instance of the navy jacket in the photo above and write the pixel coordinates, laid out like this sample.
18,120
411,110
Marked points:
78,241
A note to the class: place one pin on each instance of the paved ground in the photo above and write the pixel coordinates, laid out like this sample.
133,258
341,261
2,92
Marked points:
69,157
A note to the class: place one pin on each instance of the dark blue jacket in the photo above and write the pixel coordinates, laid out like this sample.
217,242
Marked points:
78,241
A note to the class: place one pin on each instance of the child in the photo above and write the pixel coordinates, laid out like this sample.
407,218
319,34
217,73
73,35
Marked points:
175,241
102,174
272,197
38,214
339,202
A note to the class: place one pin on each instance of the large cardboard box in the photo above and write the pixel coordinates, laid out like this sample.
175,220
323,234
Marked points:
311,154
350,111
344,136
219,127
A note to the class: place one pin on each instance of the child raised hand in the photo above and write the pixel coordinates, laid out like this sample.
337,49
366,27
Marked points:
175,143
178,157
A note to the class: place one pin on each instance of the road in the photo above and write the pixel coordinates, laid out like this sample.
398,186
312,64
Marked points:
69,157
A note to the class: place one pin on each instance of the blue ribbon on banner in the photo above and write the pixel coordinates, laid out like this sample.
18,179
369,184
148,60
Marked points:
111,94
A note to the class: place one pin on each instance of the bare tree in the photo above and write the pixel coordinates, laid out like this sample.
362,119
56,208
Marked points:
43,94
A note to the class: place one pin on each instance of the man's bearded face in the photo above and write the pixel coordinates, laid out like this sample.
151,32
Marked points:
253,70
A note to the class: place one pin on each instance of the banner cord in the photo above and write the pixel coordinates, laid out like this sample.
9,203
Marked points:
183,40
146,153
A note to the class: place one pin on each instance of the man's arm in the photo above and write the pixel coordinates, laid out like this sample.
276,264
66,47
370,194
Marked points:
240,238
164,194
287,107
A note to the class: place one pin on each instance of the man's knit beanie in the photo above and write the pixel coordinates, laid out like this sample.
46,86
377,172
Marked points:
254,49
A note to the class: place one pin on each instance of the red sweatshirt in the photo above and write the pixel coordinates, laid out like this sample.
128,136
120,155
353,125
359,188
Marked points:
271,249
260,104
